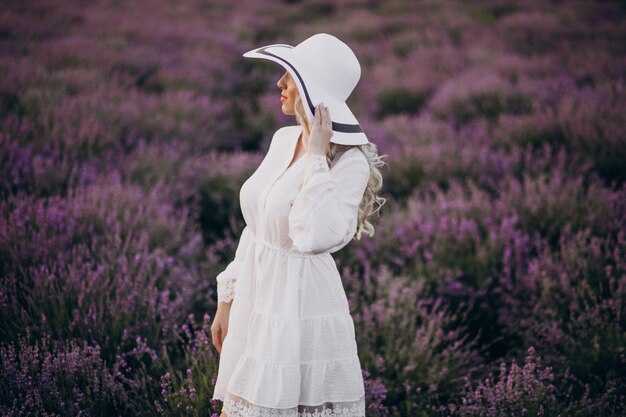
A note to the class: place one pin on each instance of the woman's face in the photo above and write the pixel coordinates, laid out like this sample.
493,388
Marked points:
288,93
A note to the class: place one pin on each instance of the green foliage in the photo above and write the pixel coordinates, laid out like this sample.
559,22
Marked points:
490,105
187,383
219,203
400,100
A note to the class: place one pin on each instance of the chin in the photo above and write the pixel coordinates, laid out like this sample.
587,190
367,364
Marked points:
288,112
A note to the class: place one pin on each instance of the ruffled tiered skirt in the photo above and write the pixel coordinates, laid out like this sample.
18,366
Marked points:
290,349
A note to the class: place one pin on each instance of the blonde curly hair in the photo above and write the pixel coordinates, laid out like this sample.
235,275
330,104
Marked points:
371,197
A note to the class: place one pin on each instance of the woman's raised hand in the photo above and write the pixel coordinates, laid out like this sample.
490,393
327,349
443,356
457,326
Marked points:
321,130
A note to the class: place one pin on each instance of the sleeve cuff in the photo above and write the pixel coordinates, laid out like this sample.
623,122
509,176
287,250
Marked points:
226,291
316,163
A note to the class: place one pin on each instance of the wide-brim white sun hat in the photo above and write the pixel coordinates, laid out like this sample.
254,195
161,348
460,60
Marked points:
325,70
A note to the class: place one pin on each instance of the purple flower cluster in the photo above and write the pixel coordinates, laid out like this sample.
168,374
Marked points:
532,390
60,378
189,371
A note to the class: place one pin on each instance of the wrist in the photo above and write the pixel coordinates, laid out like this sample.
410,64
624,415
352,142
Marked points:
318,150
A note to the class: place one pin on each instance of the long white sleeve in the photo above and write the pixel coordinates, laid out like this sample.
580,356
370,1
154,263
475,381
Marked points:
228,277
323,217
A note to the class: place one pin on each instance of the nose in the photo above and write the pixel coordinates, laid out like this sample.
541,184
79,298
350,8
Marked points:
281,82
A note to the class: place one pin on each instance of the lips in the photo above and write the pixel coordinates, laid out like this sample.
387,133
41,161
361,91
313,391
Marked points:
283,98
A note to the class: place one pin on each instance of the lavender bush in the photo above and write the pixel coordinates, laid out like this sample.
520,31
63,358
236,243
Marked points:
532,389
67,380
187,393
494,284
429,351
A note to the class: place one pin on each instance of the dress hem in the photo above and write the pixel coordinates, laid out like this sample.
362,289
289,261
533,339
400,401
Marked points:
242,407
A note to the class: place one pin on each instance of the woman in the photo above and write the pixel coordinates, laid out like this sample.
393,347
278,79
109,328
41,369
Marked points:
283,327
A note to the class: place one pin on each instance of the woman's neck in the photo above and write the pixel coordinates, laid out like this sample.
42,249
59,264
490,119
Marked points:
304,139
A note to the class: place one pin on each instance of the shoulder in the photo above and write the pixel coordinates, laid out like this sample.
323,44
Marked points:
352,157
352,164
280,139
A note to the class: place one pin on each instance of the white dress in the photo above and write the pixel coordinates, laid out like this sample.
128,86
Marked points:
290,348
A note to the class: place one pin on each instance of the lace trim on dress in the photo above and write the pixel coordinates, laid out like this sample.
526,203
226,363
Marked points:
226,290
316,164
238,407
317,161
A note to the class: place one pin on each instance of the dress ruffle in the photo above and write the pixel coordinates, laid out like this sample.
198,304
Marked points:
319,353
238,407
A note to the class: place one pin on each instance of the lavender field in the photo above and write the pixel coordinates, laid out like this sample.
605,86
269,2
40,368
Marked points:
495,284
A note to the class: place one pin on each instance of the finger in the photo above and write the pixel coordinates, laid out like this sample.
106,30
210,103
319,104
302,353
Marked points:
322,115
